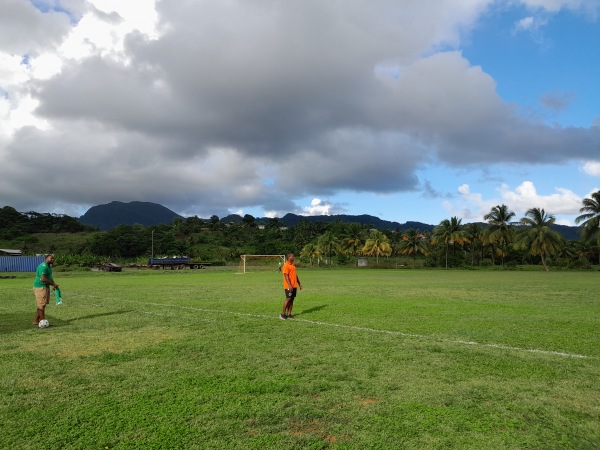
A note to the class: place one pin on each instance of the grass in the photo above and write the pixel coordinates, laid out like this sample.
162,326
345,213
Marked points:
374,359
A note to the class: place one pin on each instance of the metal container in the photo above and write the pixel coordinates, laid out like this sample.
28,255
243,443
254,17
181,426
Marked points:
20,263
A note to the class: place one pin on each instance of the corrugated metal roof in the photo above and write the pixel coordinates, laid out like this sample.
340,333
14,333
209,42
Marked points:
11,252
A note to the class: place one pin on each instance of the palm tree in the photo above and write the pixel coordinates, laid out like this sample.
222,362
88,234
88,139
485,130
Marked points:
412,243
590,219
310,251
500,229
583,249
449,232
353,241
377,244
474,233
538,237
327,244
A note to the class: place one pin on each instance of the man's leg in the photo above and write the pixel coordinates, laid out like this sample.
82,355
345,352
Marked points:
285,307
41,298
290,306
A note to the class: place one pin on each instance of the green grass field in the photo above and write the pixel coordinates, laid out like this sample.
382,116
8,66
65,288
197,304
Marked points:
373,359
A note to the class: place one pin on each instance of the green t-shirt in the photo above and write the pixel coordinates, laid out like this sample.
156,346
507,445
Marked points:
43,269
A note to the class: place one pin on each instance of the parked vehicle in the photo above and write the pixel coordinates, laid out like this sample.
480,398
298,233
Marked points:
110,267
179,262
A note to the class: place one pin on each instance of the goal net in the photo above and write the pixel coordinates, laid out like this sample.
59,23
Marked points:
260,263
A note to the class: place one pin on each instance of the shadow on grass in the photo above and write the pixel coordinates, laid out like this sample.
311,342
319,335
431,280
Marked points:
311,310
10,323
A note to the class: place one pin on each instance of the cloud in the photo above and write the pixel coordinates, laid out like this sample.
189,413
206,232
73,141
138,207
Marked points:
587,6
430,192
26,30
592,168
473,207
317,208
557,101
525,196
533,26
196,104
527,23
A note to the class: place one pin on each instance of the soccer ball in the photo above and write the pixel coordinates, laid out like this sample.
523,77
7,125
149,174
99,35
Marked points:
44,324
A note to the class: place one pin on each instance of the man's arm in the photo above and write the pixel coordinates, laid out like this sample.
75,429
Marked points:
45,280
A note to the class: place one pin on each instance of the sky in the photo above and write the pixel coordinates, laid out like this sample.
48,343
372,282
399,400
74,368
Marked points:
407,110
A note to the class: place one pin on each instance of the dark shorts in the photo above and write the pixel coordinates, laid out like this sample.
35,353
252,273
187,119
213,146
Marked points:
290,293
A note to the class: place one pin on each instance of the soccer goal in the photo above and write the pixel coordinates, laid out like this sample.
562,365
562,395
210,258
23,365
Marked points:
260,263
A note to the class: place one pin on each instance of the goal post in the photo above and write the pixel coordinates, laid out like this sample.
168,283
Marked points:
260,263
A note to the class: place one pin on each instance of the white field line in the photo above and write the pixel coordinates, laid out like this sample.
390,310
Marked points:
374,330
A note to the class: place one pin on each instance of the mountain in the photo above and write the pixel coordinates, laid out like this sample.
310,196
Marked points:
290,220
113,214
567,232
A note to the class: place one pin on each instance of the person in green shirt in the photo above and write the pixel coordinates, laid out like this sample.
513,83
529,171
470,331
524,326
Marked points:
41,287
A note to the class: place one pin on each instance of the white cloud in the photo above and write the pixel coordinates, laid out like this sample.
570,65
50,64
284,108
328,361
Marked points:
525,196
473,207
470,207
525,24
589,6
317,208
592,168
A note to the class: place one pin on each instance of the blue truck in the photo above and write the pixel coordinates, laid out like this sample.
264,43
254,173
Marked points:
175,263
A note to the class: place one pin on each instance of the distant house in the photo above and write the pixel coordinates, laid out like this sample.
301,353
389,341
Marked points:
10,252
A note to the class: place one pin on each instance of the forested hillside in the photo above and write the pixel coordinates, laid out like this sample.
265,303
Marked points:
449,244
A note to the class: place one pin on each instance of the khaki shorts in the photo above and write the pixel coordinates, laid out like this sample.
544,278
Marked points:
42,295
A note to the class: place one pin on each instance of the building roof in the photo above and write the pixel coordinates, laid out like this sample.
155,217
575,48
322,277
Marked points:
10,252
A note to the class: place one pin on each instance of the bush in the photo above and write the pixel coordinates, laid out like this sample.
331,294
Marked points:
580,263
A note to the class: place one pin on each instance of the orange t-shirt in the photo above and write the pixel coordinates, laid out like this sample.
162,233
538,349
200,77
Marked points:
290,269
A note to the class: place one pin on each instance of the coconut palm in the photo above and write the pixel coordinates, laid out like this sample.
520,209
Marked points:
412,243
474,233
537,237
377,244
353,241
590,219
328,245
583,249
311,251
449,232
500,229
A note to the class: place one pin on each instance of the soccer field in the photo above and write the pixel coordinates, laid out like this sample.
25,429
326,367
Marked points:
379,359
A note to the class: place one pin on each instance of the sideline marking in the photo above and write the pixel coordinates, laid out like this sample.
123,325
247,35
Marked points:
374,330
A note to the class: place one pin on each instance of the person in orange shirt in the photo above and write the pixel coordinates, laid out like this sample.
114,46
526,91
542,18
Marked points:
291,283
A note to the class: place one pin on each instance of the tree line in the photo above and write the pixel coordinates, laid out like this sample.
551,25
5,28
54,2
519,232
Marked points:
530,240
502,241
14,224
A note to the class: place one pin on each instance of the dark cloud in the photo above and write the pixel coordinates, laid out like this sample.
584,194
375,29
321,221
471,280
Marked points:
24,29
557,101
232,94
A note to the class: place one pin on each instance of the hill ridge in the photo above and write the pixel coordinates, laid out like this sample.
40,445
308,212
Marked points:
117,213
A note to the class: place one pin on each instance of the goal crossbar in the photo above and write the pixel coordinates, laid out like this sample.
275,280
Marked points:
244,258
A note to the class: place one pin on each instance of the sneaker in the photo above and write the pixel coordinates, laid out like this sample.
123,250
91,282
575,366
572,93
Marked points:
282,316
290,317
